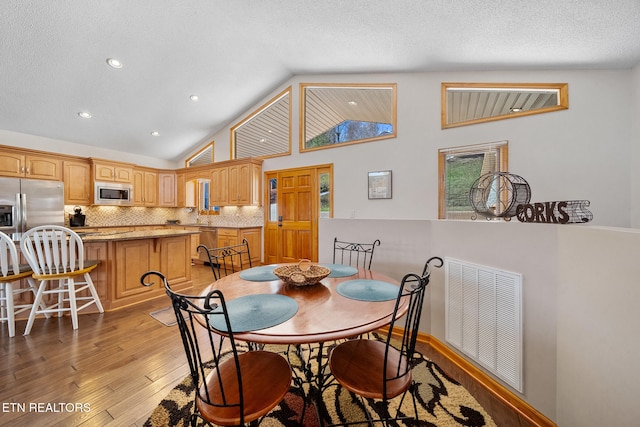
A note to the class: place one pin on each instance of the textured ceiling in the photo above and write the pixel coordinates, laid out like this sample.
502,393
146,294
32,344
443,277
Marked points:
233,53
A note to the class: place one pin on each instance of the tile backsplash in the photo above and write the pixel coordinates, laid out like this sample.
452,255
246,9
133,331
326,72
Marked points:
230,216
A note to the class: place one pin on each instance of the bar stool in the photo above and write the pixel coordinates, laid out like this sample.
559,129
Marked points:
56,254
12,271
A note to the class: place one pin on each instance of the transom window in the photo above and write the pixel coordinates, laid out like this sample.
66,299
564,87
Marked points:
265,132
458,170
472,103
202,157
340,114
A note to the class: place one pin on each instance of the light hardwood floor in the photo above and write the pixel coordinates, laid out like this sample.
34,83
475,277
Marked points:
116,368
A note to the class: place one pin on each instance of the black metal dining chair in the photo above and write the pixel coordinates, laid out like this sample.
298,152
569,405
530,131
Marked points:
353,253
227,260
375,369
232,388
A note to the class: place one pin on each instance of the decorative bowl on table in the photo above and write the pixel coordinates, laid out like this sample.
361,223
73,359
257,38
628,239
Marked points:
303,273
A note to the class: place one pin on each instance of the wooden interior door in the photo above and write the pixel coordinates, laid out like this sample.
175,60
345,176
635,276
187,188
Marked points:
291,220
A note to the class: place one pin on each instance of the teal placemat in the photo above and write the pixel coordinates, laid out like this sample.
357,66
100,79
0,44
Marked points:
259,274
340,270
254,312
368,290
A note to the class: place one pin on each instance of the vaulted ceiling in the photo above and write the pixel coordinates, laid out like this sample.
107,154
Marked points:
231,54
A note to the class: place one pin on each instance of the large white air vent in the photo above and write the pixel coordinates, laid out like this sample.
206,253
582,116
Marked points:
484,317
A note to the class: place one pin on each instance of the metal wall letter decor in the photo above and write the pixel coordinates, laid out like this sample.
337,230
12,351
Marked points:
505,195
564,212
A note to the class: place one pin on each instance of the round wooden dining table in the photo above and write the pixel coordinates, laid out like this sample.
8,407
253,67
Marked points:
323,313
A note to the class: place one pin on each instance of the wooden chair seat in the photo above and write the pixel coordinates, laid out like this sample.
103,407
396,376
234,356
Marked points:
23,271
268,379
359,365
89,266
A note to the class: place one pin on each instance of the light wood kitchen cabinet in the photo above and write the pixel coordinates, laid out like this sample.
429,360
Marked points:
181,186
77,182
232,182
195,242
227,237
234,236
170,255
167,189
115,172
145,188
22,165
245,184
100,274
219,186
237,184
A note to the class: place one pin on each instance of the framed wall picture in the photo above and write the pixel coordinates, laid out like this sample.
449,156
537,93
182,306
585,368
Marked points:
380,185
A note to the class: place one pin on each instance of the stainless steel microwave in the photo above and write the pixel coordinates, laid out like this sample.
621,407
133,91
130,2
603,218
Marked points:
113,193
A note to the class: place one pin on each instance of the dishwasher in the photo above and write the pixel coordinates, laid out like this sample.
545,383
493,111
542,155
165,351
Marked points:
209,238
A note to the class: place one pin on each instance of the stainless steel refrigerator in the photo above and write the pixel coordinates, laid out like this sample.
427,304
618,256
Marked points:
28,203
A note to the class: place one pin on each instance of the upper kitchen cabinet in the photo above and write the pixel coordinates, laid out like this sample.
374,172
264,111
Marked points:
245,184
104,170
23,164
77,182
237,183
232,183
167,196
145,187
220,186
181,187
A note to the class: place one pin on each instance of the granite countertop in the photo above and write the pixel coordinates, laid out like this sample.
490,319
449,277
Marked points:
107,236
239,227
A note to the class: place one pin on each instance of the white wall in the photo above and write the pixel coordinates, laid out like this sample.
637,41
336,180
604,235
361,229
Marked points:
598,375
33,142
635,148
580,153
527,249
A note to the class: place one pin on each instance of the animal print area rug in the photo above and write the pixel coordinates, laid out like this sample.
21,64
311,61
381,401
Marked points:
442,402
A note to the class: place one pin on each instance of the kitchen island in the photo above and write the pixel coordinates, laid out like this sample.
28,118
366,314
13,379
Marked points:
126,255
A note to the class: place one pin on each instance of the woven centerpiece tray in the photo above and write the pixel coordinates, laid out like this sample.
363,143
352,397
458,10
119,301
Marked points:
302,274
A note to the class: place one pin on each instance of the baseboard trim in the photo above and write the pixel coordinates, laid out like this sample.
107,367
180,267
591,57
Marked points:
500,392
506,396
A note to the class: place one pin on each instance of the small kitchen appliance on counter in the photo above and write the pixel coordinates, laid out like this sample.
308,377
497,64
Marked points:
77,220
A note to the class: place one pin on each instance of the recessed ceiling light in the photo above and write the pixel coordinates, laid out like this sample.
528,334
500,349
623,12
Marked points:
263,139
84,114
194,98
155,133
352,103
114,63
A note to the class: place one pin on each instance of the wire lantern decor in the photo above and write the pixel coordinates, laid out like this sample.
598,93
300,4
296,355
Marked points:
498,194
